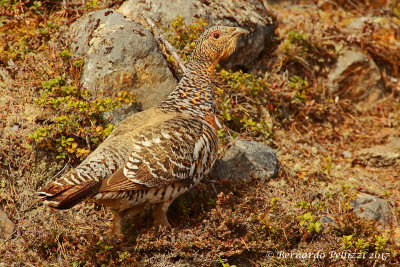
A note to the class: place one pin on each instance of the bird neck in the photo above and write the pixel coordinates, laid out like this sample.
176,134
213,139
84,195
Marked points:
193,95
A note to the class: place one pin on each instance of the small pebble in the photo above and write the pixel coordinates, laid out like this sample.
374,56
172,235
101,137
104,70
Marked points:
347,154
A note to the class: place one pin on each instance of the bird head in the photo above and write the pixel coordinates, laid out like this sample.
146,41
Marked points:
216,43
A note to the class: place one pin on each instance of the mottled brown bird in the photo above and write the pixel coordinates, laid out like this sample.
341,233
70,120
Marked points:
154,156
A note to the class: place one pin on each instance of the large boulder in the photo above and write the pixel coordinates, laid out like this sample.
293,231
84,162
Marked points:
120,55
356,77
245,160
250,14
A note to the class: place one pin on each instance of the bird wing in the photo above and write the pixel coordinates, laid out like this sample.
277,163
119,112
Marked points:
175,151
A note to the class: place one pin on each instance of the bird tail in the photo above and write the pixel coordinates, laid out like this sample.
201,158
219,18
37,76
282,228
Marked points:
64,194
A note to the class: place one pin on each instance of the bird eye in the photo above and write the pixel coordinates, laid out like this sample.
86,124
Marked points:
215,34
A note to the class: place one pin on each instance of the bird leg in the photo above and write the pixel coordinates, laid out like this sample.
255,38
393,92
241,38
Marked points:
160,213
121,217
118,222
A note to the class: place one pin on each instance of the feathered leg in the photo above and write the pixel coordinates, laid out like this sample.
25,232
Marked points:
160,213
121,217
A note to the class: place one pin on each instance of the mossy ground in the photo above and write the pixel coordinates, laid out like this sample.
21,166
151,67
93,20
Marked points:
281,101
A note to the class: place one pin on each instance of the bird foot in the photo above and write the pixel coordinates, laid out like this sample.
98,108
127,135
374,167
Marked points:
162,222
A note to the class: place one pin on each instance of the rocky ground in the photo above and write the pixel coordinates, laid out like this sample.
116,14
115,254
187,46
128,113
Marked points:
310,139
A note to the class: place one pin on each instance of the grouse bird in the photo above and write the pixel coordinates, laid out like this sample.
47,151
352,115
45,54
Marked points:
154,156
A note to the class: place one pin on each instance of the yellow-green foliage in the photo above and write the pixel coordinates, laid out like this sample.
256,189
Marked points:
362,245
300,86
243,103
295,44
346,241
183,36
396,10
380,243
224,263
77,126
29,33
308,221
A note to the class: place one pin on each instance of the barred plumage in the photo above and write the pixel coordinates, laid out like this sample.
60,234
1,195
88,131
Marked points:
155,155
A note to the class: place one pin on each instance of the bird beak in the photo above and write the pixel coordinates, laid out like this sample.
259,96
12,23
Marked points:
239,31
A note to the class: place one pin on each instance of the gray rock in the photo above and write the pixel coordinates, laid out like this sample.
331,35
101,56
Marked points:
247,159
347,154
121,55
357,24
119,114
250,14
6,225
371,207
381,155
328,221
356,77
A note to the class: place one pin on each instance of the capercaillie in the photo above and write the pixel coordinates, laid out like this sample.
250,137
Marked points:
154,156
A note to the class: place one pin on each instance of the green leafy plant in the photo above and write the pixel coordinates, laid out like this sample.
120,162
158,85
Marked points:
274,201
303,204
224,263
346,241
380,243
102,246
327,166
242,103
300,86
312,225
123,256
92,4
77,125
362,245
396,9
295,44
183,36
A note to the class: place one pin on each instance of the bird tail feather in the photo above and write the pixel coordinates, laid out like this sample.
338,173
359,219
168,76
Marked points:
61,195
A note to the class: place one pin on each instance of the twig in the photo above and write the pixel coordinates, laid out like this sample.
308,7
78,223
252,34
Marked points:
219,125
332,37
212,182
265,4
167,45
88,142
372,181
10,236
59,173
355,6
